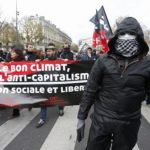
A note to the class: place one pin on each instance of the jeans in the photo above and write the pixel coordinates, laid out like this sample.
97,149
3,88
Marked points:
43,113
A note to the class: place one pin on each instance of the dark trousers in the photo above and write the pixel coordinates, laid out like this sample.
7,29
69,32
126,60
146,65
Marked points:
16,112
61,107
120,135
148,101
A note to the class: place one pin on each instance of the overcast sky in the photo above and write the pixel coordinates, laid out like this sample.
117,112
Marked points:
72,16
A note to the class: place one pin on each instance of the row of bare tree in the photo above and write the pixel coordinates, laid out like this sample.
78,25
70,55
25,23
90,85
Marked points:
31,31
28,31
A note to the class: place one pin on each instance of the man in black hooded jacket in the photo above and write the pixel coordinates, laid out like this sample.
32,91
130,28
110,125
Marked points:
119,81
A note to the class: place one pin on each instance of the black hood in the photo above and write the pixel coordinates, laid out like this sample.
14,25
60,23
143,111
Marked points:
129,24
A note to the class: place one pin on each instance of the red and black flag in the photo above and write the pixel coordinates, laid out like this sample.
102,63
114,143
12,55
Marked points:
102,30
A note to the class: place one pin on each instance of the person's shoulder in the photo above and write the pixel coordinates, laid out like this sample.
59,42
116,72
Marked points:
145,61
103,57
146,58
72,53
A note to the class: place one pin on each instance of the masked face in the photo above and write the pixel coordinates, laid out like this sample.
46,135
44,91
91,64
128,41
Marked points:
127,45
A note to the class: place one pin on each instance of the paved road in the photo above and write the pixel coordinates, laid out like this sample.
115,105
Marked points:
59,133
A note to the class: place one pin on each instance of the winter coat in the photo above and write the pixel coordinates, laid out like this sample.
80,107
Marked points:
86,57
67,54
31,56
117,85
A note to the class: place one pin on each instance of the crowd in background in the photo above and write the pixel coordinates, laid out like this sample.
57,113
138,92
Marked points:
17,53
30,53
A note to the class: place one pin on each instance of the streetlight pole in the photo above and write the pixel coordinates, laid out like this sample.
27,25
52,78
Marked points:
17,35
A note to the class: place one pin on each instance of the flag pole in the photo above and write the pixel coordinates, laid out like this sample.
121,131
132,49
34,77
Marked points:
107,20
17,35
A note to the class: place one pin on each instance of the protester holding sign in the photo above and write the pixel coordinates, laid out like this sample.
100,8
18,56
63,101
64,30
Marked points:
51,54
31,54
118,83
16,55
66,53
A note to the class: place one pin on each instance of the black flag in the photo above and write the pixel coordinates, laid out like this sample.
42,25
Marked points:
103,20
96,22
102,30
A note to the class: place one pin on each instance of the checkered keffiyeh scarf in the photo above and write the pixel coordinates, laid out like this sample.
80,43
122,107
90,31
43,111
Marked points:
127,48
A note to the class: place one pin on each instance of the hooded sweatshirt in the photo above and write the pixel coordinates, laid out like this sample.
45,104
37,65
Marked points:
116,91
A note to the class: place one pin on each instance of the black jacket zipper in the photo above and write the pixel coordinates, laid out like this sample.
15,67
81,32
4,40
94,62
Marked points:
126,64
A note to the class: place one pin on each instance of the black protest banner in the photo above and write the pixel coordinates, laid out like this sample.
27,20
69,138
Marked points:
41,83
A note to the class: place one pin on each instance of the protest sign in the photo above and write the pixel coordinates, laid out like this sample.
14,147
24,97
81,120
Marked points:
47,83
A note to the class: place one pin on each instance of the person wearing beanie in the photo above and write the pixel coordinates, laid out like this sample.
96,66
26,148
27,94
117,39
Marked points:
118,83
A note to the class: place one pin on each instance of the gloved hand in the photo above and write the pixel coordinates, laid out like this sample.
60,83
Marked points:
80,129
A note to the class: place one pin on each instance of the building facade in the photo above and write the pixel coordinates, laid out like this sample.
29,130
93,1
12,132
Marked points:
51,32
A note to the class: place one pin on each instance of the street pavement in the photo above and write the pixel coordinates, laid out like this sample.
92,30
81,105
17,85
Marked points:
59,133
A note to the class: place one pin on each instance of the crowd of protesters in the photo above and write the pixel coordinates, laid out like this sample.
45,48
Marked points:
117,85
115,89
32,54
17,53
